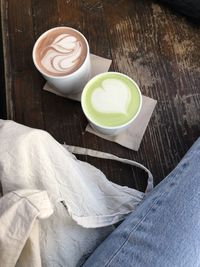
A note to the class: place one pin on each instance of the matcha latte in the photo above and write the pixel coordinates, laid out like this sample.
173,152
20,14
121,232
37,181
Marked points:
111,101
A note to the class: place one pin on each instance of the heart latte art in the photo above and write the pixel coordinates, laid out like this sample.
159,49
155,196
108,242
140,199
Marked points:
111,99
61,52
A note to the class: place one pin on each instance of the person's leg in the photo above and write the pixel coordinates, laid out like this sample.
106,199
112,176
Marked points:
164,230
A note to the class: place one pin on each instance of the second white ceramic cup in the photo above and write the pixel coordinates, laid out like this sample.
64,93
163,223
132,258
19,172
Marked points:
105,129
71,83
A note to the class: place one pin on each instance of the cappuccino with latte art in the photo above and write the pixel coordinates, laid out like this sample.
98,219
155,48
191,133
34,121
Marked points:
61,52
62,55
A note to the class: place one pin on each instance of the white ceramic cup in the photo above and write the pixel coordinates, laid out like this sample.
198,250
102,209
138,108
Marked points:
104,129
71,83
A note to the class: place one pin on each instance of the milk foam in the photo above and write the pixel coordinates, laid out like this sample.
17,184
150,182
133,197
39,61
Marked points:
62,55
113,96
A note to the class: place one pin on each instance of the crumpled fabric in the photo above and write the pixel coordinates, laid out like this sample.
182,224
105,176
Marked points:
19,214
84,203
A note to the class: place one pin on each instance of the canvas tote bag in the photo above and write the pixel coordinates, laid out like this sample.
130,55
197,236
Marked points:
67,206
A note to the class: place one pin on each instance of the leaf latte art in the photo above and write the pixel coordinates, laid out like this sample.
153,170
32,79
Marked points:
61,52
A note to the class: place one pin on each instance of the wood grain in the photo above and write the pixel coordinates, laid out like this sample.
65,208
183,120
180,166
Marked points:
2,82
157,48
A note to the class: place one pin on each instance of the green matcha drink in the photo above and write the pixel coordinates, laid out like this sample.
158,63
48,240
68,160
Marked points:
111,100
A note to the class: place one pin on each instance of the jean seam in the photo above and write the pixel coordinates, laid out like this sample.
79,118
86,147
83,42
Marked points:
142,219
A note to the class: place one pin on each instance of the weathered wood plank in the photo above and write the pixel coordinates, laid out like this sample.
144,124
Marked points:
2,81
23,98
7,63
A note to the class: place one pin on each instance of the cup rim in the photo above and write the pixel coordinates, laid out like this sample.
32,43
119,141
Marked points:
119,126
45,33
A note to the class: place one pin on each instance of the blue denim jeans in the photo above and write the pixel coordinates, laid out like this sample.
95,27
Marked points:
164,230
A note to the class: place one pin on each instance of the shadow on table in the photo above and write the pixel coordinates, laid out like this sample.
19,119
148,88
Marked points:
188,8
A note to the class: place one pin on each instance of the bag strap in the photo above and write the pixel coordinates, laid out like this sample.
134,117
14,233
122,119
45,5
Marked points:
98,154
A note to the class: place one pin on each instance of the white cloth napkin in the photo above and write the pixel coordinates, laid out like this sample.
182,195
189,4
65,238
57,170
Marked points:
131,137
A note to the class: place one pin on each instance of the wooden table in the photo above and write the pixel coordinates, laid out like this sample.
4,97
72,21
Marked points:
153,45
